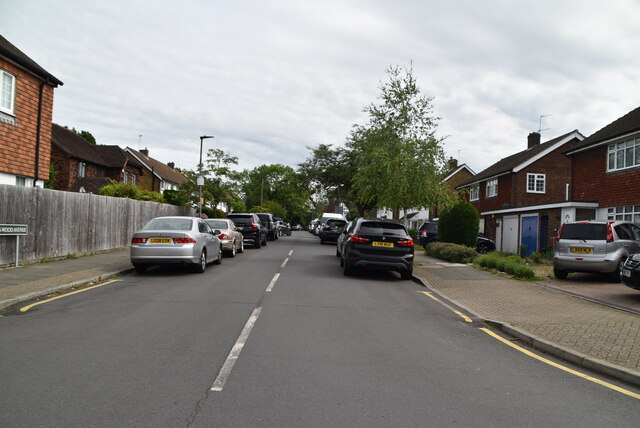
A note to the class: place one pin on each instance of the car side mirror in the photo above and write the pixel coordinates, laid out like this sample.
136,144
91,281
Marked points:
217,232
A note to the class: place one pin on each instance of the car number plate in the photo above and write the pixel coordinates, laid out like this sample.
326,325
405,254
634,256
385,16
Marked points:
382,244
239,227
626,272
581,250
160,241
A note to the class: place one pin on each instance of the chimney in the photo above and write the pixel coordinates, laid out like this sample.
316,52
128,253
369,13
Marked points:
145,152
453,163
533,140
171,165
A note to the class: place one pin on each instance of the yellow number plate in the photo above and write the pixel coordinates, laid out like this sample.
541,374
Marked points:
160,241
581,250
382,244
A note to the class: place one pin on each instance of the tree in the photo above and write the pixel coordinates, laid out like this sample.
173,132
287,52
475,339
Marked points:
400,161
459,224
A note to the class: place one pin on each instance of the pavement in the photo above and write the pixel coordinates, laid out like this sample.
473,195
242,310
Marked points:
600,335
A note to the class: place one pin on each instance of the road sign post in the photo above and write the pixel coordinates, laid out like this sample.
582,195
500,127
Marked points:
16,230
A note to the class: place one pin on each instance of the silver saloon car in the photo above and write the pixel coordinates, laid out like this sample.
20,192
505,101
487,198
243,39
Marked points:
225,229
175,240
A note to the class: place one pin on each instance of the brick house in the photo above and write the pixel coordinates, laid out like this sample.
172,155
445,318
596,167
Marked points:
158,176
26,108
606,169
85,167
522,198
455,176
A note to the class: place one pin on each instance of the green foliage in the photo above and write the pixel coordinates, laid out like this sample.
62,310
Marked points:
508,264
53,173
176,197
451,252
71,256
87,136
122,190
459,224
238,206
413,233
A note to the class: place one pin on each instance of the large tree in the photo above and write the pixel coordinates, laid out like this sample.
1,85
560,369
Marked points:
400,159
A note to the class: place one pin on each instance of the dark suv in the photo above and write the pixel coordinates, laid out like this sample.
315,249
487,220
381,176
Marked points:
377,244
428,233
270,223
251,227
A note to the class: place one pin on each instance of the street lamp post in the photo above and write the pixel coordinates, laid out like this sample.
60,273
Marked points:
200,176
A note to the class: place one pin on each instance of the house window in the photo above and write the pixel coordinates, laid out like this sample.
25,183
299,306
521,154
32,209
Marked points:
624,155
126,177
492,188
627,212
7,92
82,169
134,179
21,181
474,193
535,183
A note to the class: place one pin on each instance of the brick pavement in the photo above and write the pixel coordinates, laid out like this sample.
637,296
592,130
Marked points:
589,328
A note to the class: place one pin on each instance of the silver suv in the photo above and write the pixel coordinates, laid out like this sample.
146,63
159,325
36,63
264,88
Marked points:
594,246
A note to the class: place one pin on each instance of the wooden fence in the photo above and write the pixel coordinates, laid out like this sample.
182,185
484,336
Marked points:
63,223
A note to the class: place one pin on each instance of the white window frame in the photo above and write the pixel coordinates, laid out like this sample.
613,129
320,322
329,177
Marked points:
537,179
82,169
626,212
126,177
474,192
492,188
623,155
11,96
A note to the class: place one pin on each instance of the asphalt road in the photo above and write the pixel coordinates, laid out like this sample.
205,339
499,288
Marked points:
324,350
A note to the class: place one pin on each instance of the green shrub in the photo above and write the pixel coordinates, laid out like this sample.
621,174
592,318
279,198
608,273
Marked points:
508,264
459,224
414,234
451,252
122,190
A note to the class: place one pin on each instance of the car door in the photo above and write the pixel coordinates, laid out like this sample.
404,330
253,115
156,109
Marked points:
209,240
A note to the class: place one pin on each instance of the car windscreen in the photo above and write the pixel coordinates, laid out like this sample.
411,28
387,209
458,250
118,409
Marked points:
336,223
217,224
584,231
382,229
242,219
264,217
169,224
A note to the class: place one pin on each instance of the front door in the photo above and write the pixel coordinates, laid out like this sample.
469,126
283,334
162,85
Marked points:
529,234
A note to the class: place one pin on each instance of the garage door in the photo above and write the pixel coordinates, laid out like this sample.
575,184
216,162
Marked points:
510,235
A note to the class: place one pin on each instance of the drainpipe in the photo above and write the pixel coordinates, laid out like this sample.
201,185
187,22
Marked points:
38,126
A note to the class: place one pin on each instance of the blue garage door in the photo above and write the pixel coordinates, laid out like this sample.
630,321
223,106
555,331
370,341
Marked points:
530,234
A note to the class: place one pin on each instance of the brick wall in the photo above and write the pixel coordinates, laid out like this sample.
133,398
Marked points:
505,184
18,141
592,182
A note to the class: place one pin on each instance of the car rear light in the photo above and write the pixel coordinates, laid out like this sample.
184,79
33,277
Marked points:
406,243
424,233
184,241
223,236
358,239
254,227
609,233
139,240
559,233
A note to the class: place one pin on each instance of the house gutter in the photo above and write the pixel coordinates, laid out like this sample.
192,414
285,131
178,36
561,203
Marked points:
38,128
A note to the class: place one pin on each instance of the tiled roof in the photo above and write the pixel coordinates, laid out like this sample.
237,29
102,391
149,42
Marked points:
76,146
507,164
628,123
11,52
162,170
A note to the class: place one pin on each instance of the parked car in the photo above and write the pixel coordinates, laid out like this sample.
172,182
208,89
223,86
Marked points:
249,224
428,233
283,227
331,230
594,246
175,240
231,239
377,244
342,238
270,224
630,273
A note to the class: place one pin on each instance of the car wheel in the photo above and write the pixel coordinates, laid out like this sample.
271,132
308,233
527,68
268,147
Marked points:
560,273
347,270
482,248
406,274
616,275
232,253
258,244
241,249
202,265
321,241
140,267
337,252
218,260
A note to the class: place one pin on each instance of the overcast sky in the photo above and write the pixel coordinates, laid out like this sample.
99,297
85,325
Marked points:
270,78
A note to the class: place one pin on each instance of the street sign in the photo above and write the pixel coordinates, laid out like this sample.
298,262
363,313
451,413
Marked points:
200,180
13,229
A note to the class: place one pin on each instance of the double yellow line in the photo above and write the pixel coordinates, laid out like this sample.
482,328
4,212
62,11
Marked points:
533,355
26,308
